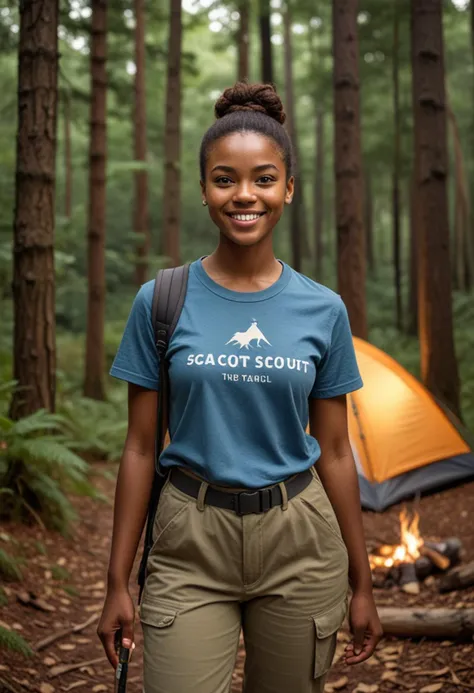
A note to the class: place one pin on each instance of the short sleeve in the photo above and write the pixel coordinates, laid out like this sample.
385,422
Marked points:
337,372
137,360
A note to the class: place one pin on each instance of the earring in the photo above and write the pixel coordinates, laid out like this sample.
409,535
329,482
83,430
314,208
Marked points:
204,203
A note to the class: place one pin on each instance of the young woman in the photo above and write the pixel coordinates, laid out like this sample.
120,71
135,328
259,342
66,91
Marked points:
259,524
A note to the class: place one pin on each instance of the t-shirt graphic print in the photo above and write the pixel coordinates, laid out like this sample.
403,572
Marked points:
242,367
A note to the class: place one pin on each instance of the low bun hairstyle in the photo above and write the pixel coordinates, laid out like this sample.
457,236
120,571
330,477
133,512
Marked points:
249,108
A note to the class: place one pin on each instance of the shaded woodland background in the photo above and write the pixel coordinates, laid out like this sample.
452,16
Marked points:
103,106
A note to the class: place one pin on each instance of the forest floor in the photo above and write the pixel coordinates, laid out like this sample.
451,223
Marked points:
68,578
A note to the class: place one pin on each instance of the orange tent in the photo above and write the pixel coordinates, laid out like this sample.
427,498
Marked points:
403,442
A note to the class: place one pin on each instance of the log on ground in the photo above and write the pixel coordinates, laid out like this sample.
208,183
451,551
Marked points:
458,578
449,624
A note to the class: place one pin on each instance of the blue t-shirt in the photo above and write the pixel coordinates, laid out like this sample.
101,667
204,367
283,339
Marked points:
242,367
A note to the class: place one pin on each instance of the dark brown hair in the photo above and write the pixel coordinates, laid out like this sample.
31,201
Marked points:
249,108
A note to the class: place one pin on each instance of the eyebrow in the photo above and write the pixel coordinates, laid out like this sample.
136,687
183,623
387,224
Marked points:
229,169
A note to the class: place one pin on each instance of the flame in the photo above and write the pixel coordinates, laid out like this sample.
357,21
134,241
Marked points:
407,551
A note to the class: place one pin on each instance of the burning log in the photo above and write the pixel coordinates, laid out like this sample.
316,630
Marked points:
451,548
440,561
458,578
448,624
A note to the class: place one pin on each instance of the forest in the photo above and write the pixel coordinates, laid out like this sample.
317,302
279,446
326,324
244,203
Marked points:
103,109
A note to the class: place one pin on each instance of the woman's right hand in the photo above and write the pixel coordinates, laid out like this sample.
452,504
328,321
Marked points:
118,613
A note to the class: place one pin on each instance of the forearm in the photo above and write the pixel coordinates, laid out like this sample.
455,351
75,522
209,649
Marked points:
132,494
339,478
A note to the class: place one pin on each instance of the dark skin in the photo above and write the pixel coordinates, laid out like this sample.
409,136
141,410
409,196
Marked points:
245,174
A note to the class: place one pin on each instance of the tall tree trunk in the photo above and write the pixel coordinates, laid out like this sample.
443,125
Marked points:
140,216
369,223
67,154
412,325
265,41
172,146
299,237
319,194
348,165
396,171
463,252
243,40
438,359
471,215
34,346
95,355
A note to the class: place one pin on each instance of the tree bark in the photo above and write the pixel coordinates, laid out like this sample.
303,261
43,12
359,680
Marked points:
95,355
396,173
348,166
412,326
463,251
243,40
298,214
266,42
172,142
438,359
427,623
67,154
319,194
34,346
140,216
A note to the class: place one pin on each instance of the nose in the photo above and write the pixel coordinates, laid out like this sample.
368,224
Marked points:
244,194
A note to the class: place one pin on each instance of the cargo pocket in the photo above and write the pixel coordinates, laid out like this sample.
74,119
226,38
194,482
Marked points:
157,615
326,626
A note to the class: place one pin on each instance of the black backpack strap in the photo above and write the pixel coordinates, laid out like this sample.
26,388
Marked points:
168,300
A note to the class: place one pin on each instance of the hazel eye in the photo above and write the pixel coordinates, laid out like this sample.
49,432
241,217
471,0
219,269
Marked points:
223,180
266,179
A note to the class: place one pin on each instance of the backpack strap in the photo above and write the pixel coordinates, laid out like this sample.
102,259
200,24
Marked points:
168,300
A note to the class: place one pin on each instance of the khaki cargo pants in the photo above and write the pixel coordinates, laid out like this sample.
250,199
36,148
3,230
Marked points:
281,576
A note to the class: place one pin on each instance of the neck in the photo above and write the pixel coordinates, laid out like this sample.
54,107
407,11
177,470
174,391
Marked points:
243,261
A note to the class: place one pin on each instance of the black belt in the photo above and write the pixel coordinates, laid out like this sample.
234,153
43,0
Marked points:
243,502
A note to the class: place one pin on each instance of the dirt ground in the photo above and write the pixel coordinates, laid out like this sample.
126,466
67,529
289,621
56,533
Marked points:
67,575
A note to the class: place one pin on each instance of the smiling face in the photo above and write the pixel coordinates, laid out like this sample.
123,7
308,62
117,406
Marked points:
246,186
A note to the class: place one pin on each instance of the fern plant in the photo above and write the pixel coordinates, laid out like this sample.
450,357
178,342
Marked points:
37,470
95,429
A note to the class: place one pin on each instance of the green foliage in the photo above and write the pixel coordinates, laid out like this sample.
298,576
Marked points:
59,573
3,597
38,469
9,567
96,429
9,640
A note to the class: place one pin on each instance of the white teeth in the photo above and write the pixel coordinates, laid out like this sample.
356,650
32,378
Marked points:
245,217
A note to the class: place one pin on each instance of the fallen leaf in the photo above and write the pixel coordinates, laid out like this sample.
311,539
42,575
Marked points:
49,661
23,682
46,688
93,607
67,646
76,684
99,688
340,683
61,561
432,688
367,688
446,643
391,665
83,641
87,670
3,667
389,676
5,625
17,626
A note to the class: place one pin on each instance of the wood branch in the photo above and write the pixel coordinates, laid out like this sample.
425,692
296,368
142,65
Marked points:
440,561
65,668
458,578
427,623
451,548
8,686
41,644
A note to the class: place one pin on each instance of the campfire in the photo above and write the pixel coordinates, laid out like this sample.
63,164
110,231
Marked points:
412,560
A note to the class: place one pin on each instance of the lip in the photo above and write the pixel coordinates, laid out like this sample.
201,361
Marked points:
245,224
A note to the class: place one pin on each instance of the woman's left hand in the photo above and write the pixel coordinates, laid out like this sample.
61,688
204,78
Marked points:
365,628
